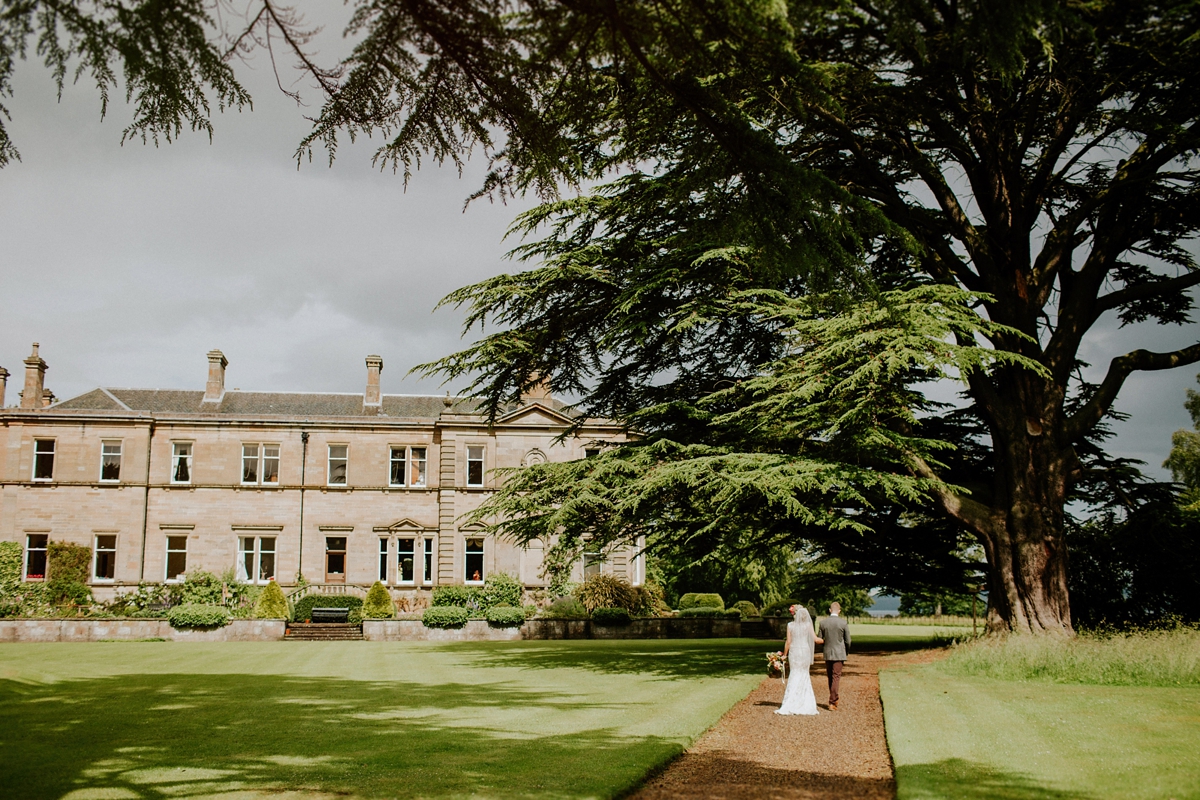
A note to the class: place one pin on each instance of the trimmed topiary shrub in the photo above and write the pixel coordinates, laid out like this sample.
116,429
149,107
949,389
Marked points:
505,616
612,617
605,591
378,604
303,609
456,596
444,617
701,600
745,608
500,590
705,611
271,603
566,608
198,615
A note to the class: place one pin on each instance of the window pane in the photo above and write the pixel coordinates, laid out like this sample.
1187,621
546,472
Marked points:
249,463
428,574
337,464
106,558
336,564
266,565
182,472
43,459
110,461
398,458
474,466
418,466
405,560
245,558
35,556
335,543
176,557
591,563
383,554
270,463
474,560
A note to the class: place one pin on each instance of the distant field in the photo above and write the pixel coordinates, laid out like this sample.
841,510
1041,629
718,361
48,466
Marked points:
286,720
945,621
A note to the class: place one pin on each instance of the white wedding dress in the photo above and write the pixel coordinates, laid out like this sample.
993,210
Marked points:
798,697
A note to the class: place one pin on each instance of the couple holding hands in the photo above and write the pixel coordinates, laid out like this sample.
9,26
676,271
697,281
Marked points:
799,650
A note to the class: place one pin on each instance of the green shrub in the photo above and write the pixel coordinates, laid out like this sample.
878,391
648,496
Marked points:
649,600
378,604
612,617
605,591
355,616
198,615
65,591
707,611
68,562
566,608
700,600
271,603
500,589
202,588
456,596
444,617
745,609
10,570
530,610
10,610
303,609
137,603
779,609
505,616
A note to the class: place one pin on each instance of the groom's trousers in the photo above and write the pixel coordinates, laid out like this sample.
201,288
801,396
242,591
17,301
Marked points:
833,671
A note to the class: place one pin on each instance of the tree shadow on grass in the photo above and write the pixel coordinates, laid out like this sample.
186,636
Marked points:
160,736
959,779
669,659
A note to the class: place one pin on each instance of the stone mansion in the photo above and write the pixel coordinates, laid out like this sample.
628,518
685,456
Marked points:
339,488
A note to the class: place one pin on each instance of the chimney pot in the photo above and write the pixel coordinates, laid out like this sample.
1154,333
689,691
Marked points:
35,378
372,397
214,390
3,384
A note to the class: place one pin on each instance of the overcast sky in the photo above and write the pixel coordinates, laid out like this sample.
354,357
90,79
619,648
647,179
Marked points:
129,263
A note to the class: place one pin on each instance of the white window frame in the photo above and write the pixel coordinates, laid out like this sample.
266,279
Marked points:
392,461
176,457
412,551
329,465
427,563
256,551
52,452
482,552
182,574
418,478
45,549
260,459
481,460
384,560
96,578
104,454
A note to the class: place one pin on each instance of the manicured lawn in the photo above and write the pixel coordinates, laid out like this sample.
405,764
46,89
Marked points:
360,719
882,636
972,737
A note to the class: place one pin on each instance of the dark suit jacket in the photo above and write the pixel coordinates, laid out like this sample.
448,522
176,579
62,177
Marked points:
836,634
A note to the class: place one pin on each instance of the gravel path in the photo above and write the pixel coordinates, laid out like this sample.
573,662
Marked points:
754,753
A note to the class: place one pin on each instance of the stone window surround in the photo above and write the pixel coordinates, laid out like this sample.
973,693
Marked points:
39,450
97,535
481,461
410,461
176,456
111,448
344,460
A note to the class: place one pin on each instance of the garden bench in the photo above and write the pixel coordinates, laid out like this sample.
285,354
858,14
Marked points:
330,615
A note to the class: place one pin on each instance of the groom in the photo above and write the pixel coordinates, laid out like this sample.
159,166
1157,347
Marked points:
837,638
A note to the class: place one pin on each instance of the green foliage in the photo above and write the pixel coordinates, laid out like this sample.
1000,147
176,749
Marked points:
701,600
202,588
68,562
444,617
612,617
566,608
1184,460
649,600
505,616
456,596
378,604
709,612
779,609
605,591
823,581
271,603
1169,657
302,611
10,570
138,602
10,610
60,591
500,589
924,605
198,615
745,609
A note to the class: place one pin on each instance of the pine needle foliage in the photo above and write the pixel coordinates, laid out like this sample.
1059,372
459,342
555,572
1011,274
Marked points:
378,603
271,603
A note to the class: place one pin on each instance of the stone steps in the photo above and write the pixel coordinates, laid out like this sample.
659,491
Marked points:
323,632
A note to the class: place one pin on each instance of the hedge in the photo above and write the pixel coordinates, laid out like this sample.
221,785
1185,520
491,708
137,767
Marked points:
271,603
304,607
197,615
613,617
779,609
505,616
566,608
745,608
444,617
500,589
701,600
707,612
378,604
455,596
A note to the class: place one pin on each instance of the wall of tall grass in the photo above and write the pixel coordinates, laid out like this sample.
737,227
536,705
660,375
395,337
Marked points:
1138,658
944,621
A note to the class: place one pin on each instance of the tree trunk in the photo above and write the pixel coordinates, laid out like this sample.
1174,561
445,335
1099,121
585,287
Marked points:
1026,549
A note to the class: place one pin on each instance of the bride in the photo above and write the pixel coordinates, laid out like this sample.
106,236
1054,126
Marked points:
798,698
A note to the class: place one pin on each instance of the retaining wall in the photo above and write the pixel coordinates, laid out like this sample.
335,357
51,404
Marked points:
94,630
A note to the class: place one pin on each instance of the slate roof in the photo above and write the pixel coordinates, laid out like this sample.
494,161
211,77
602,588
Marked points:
260,404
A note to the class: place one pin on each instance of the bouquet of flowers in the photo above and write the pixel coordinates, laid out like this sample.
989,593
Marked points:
775,665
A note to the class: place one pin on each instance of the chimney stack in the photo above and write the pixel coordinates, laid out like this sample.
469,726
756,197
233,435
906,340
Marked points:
214,390
35,377
3,384
372,398
539,392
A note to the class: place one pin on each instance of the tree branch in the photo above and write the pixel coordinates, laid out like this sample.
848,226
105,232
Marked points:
1118,370
1142,291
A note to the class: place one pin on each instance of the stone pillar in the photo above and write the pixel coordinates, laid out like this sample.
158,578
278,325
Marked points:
372,398
3,384
35,377
214,390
